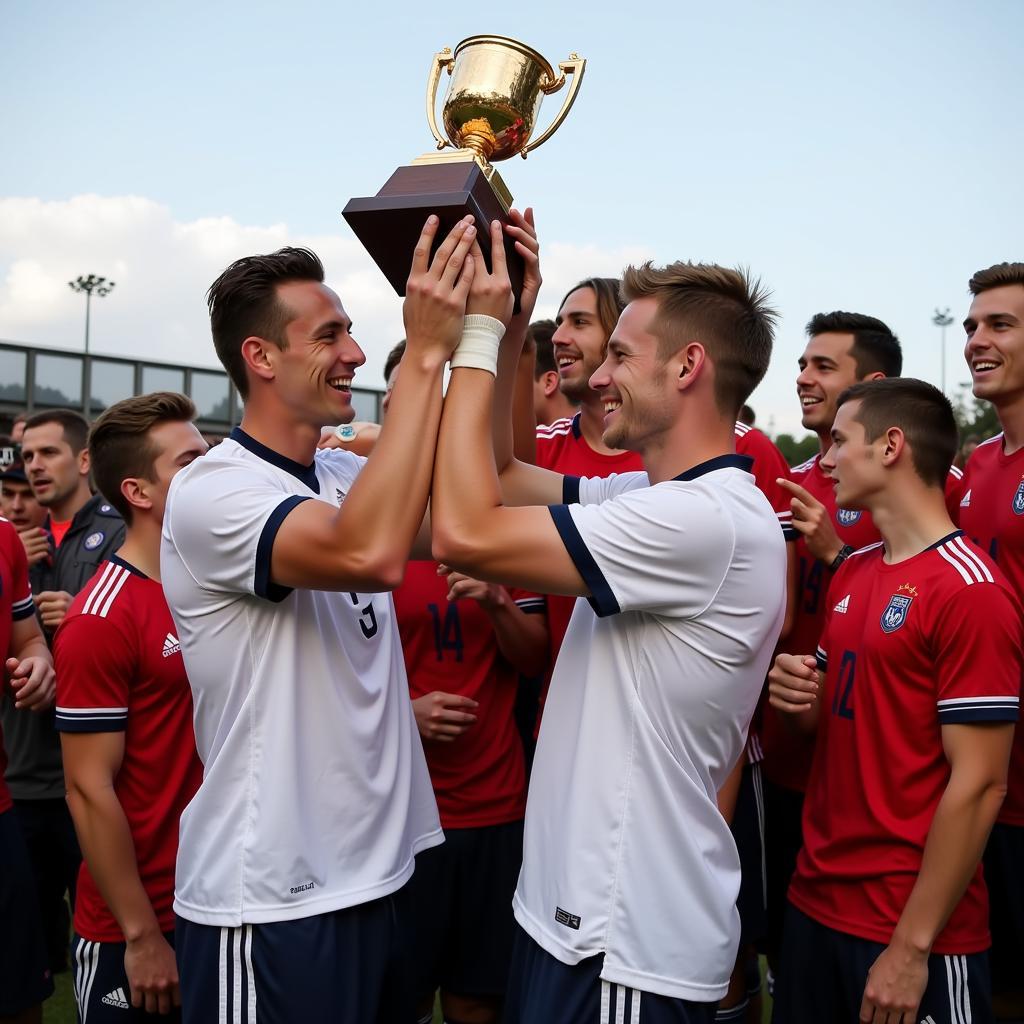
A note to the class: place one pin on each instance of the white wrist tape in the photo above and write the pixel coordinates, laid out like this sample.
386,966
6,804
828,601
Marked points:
478,348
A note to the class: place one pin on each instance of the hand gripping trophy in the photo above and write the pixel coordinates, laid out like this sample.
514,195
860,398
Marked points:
489,114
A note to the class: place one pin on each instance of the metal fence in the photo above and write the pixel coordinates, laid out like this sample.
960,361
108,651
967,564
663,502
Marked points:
33,378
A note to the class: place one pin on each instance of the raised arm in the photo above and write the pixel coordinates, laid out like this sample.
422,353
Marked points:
472,530
364,545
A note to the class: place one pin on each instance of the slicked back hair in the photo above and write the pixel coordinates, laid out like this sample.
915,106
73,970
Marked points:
243,303
722,308
120,446
541,332
920,410
997,276
875,348
74,425
608,293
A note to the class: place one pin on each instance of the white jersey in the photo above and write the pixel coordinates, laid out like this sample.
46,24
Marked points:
315,792
625,851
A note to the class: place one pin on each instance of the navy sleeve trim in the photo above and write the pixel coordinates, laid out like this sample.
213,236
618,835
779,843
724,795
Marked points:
821,657
979,709
532,605
601,598
263,585
91,720
23,609
570,490
790,534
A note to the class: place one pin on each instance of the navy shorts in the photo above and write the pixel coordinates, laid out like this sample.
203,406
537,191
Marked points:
824,972
346,965
783,838
102,993
748,831
25,979
462,910
543,990
1004,863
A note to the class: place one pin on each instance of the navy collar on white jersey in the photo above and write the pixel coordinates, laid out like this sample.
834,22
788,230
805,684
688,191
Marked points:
744,462
307,474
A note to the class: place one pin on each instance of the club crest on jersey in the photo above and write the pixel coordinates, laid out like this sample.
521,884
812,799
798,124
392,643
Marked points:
896,610
1018,499
847,516
93,541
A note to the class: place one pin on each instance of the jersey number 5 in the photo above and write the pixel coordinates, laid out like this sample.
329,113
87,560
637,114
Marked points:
367,618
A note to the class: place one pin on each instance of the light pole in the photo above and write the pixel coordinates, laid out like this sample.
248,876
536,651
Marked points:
942,320
100,285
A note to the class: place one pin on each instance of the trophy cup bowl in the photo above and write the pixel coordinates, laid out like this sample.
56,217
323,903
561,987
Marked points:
489,114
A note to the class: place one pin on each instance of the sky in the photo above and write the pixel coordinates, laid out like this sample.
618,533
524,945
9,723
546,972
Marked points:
853,156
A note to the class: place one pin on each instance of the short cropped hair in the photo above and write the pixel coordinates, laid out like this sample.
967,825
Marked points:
997,276
74,425
243,303
720,307
393,359
875,348
541,332
920,410
119,445
608,294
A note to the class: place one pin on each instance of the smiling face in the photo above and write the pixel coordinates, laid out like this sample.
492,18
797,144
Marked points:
634,382
853,462
827,368
579,343
313,373
995,344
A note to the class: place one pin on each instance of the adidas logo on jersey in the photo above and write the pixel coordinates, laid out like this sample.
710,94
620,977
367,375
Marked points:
843,605
171,645
965,501
116,998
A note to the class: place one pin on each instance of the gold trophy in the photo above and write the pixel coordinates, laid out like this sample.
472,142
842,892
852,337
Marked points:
489,114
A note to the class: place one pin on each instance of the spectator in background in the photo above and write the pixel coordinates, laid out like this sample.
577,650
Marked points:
549,404
83,530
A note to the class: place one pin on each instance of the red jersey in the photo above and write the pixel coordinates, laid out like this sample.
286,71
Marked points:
119,668
15,604
902,655
562,448
992,515
480,778
788,756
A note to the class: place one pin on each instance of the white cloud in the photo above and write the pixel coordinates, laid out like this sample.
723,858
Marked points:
162,268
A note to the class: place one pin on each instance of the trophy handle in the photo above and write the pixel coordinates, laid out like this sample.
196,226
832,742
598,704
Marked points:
444,59
573,66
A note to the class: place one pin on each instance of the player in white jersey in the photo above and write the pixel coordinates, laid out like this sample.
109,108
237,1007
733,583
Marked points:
627,896
275,561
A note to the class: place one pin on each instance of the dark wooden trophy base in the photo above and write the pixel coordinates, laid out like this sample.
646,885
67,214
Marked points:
389,223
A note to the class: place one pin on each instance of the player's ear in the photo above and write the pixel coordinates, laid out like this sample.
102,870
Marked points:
895,443
258,357
687,364
550,383
134,491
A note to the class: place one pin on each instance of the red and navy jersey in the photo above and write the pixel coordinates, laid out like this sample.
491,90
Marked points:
119,668
769,465
991,513
902,655
15,604
787,756
479,778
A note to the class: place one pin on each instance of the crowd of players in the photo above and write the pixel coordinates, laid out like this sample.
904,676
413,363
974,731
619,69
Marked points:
304,680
